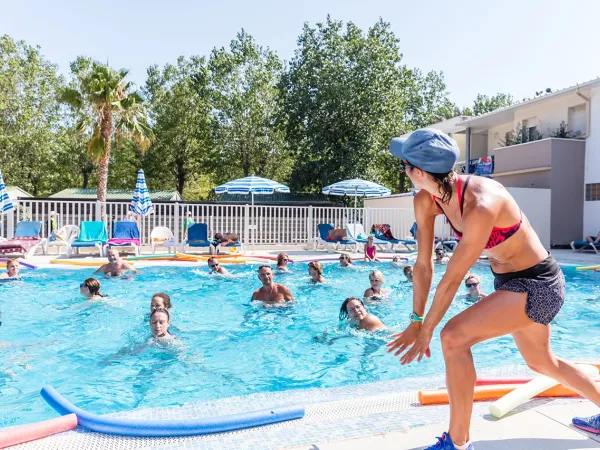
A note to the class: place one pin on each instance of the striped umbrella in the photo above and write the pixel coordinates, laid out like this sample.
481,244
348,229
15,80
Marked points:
141,203
251,185
356,188
5,203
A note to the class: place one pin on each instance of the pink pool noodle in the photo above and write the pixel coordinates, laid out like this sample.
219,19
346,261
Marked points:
34,431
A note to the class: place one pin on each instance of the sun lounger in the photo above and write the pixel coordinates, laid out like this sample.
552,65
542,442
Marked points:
357,232
26,241
323,238
126,234
63,237
162,237
585,246
197,236
91,234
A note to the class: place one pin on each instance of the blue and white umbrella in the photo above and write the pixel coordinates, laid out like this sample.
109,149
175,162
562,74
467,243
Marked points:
141,203
251,185
356,188
5,203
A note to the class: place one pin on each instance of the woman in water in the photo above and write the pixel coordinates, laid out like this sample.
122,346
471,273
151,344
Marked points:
282,262
160,301
408,272
472,283
530,286
345,260
90,289
160,321
315,270
12,269
376,279
353,309
370,249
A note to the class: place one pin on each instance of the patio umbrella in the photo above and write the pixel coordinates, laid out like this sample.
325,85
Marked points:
252,185
356,188
5,203
141,203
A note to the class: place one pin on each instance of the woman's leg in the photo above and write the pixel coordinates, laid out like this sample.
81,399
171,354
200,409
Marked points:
498,314
534,345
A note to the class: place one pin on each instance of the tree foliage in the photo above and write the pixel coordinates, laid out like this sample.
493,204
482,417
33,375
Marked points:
484,104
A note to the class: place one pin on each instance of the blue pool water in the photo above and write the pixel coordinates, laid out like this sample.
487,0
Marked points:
228,346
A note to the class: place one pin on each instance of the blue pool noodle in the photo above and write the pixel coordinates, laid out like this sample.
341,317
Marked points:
169,428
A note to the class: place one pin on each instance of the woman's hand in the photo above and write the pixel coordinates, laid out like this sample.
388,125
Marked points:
414,335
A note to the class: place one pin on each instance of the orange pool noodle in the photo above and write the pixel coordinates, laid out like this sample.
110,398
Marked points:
34,431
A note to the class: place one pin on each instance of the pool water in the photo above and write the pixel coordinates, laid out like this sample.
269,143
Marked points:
94,354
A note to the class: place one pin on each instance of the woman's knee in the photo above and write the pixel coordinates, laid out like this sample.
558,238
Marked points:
454,338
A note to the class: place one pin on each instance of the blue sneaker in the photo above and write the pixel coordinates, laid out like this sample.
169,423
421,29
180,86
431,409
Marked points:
445,443
591,424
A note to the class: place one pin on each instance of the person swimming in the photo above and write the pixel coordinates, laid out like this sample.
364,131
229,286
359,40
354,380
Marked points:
271,292
12,270
116,266
282,262
90,289
408,272
315,270
160,321
472,283
353,310
345,260
215,267
160,300
376,279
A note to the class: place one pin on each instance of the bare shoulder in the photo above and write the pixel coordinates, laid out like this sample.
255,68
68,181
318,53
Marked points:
485,194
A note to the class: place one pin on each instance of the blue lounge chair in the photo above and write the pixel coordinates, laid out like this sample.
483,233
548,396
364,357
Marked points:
91,234
197,236
585,246
125,234
323,239
26,241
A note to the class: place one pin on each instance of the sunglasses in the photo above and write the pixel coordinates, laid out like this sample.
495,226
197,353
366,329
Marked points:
82,285
406,165
285,260
470,285
214,265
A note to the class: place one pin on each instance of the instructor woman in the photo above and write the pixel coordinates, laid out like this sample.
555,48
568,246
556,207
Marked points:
529,284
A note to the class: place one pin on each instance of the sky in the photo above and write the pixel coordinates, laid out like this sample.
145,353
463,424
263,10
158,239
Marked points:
509,46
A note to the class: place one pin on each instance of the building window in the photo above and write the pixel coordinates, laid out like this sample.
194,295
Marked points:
592,192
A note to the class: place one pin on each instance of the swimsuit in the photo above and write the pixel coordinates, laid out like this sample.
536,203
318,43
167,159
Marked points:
497,236
370,251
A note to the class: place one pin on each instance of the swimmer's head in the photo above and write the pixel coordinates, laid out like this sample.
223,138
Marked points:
12,267
113,255
376,278
315,267
265,274
160,322
408,271
160,301
345,259
353,308
213,264
472,282
282,259
90,287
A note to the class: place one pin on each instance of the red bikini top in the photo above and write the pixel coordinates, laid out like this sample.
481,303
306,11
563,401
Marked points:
497,236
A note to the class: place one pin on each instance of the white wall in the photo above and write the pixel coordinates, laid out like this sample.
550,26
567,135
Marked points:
497,134
549,114
591,210
535,204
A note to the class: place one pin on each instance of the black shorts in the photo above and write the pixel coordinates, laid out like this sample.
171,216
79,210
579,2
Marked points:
544,284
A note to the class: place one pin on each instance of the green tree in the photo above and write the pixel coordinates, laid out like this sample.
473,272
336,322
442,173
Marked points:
484,104
30,120
180,111
113,110
244,94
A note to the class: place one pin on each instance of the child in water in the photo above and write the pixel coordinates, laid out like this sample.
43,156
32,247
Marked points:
160,301
376,279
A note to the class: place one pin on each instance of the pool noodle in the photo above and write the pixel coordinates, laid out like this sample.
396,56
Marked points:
588,267
33,431
21,263
488,381
167,428
79,263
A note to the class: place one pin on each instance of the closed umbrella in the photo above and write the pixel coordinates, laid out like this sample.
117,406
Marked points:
356,188
252,185
141,204
5,203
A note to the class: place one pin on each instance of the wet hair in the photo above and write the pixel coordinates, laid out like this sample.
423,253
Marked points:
377,275
165,298
160,310
344,307
444,182
407,268
93,286
263,266
281,257
472,275
346,257
317,266
211,259
12,260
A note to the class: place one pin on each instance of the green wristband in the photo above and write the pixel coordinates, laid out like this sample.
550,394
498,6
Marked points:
415,318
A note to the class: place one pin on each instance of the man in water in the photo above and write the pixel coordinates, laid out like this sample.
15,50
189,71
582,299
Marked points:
116,266
215,267
271,292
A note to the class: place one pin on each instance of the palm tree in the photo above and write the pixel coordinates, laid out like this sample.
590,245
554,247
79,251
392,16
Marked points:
111,109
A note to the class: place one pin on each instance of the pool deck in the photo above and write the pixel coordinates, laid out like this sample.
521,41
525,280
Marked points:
377,416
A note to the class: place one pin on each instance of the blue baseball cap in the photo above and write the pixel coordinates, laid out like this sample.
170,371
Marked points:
428,149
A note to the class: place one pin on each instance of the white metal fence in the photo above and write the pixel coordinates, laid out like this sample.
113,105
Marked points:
280,224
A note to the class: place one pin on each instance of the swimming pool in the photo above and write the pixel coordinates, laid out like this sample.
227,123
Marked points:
229,345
